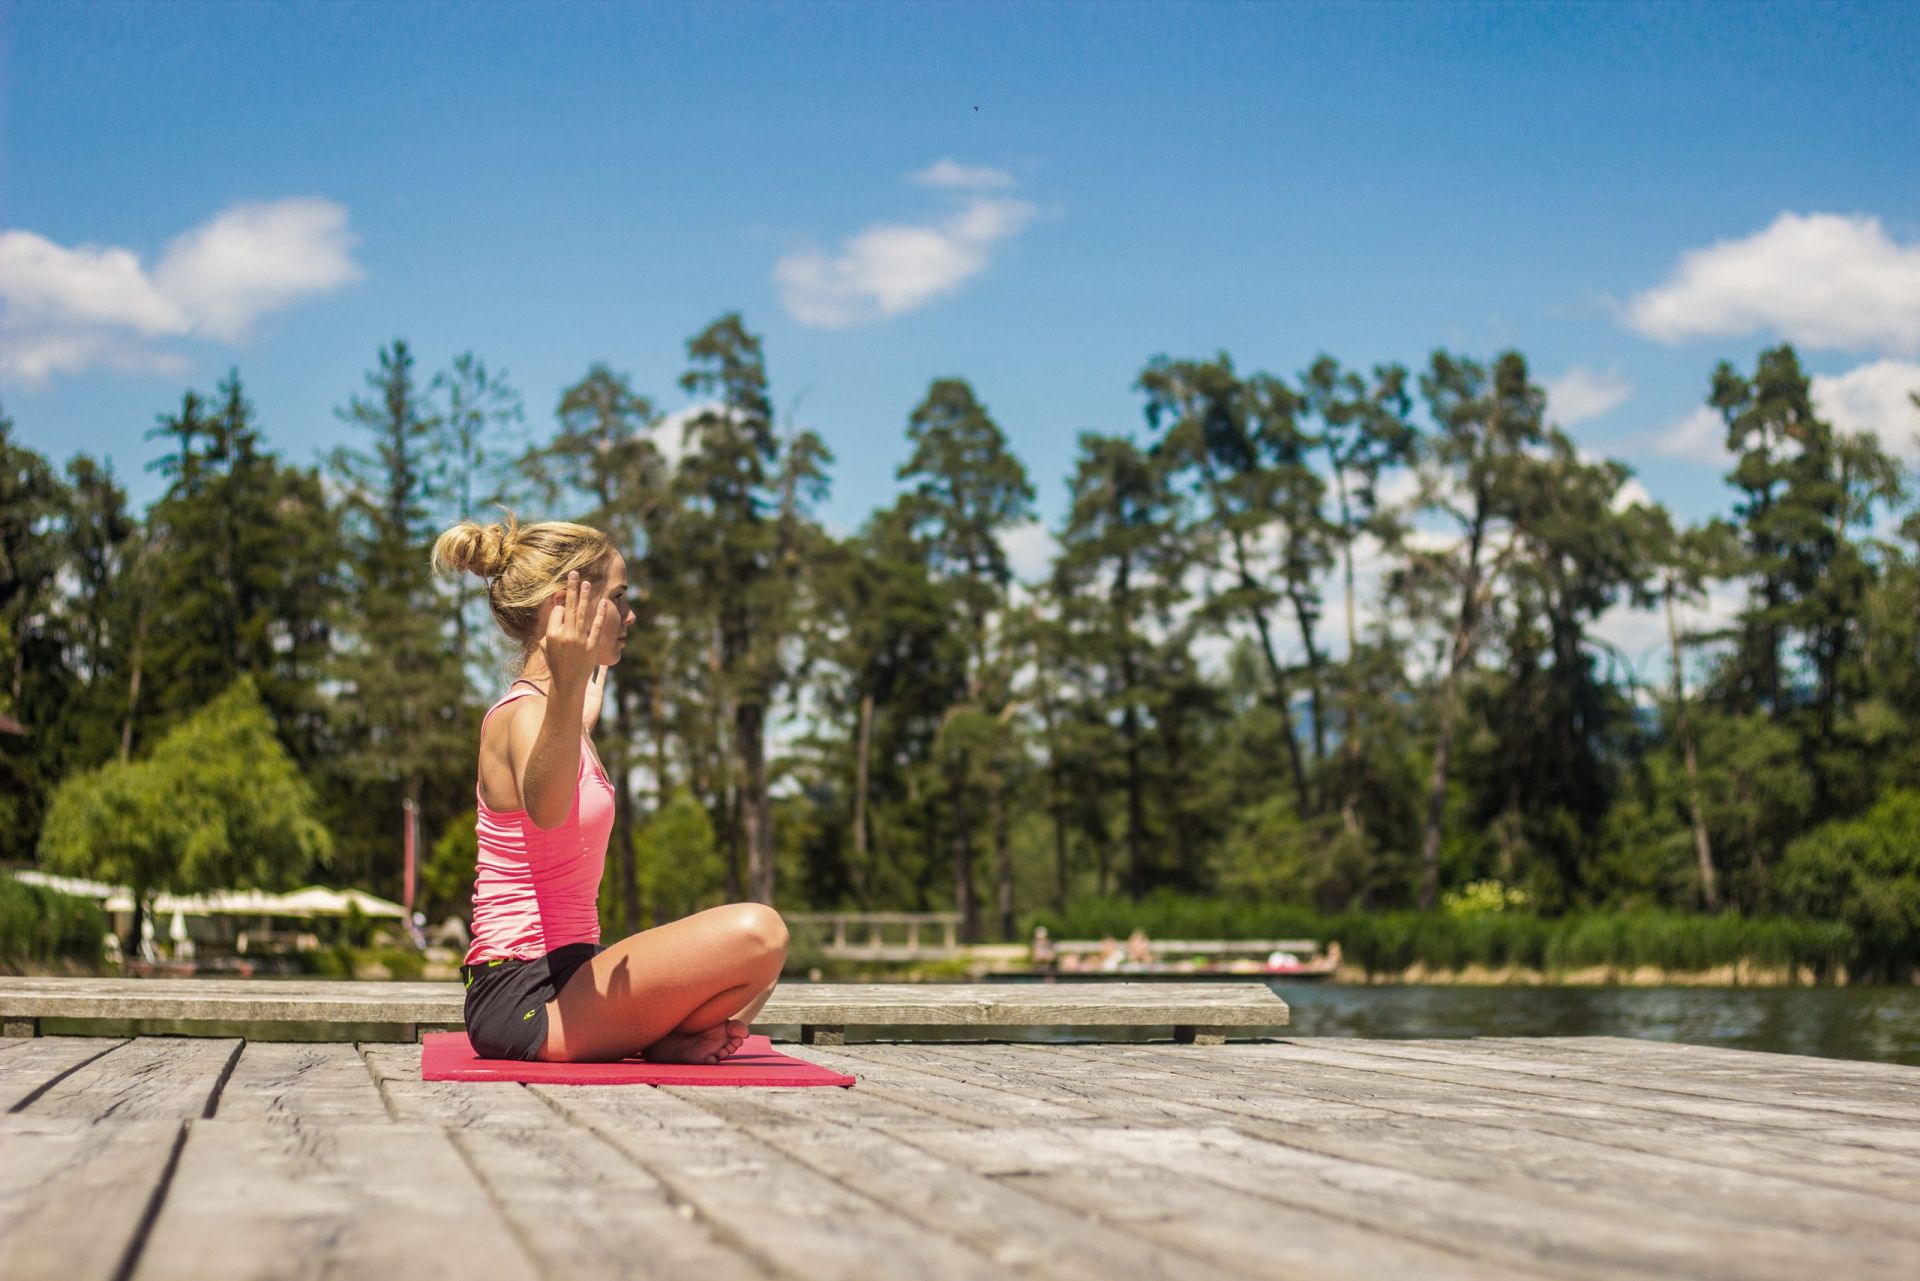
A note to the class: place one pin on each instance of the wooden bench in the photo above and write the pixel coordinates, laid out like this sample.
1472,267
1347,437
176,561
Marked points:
1198,1013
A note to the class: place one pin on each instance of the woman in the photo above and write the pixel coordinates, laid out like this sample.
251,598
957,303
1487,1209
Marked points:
539,986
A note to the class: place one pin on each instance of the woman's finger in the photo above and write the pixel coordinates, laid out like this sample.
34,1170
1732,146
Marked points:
573,595
594,628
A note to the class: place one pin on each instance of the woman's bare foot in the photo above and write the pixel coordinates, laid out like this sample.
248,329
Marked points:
709,1045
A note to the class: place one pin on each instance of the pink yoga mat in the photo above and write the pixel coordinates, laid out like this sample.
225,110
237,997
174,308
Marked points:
446,1056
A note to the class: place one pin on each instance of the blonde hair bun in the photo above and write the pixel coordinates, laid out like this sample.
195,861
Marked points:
473,548
524,565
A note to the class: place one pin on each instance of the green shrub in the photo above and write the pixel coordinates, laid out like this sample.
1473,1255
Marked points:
41,927
1866,873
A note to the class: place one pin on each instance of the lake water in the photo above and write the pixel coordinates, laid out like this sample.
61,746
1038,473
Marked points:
1877,1023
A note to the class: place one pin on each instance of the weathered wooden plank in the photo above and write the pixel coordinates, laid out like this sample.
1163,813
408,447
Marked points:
1697,1064
1086,1096
583,1210
812,1225
1228,1227
1517,1161
73,1193
1865,1069
1573,1235
1829,1126
255,1200
28,1067
1019,1232
1153,1100
454,1104
1230,1005
301,1081
1779,1093
885,1074
1800,1157
231,1000
152,1078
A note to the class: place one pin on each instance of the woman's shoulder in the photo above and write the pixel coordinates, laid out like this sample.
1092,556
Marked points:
520,705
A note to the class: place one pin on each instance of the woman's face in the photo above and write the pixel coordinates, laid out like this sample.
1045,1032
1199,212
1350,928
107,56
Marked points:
619,614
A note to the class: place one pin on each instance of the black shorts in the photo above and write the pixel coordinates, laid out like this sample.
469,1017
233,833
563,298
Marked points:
507,1000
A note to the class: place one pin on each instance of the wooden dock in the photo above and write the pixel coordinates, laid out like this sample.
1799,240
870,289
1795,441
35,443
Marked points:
160,1157
822,1012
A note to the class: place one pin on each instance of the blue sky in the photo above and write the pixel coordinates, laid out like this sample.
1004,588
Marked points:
1036,197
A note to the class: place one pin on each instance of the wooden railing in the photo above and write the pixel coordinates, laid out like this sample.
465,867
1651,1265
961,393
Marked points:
881,936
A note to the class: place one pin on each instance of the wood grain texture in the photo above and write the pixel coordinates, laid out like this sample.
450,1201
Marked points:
1351,1057
807,1222
254,1200
298,1082
1522,1164
1803,1158
154,1078
1019,1232
1785,1091
583,1210
453,1104
1230,1005
72,1193
28,1067
1326,1158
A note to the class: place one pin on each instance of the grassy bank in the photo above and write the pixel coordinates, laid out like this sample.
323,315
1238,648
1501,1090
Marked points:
42,932
1505,946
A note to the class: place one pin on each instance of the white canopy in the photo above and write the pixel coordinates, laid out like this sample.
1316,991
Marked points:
315,900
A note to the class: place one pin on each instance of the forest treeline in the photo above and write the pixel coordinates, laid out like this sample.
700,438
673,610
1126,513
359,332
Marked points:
1326,640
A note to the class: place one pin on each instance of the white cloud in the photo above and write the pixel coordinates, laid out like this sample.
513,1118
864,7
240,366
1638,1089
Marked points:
1631,494
252,259
1820,280
1700,437
1874,400
43,282
1581,394
891,268
670,433
64,310
1030,548
949,173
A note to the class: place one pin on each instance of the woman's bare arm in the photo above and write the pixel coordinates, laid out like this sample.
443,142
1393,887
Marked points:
547,767
543,746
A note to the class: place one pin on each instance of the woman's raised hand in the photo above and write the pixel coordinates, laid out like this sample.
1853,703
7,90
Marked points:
574,626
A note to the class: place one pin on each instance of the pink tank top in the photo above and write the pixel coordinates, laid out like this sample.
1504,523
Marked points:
535,891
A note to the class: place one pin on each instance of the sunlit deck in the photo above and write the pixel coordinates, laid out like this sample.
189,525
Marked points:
201,1157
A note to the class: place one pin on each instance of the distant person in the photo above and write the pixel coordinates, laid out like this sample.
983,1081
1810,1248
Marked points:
1042,953
1139,949
539,985
1111,957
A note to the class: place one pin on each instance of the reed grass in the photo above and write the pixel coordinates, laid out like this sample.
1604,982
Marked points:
1386,943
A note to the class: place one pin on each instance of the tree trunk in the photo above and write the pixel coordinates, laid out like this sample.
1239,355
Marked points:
1443,744
1281,705
863,746
1316,672
1702,846
1437,799
1002,853
623,808
962,838
133,686
1136,805
1350,729
1059,841
755,809
662,785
